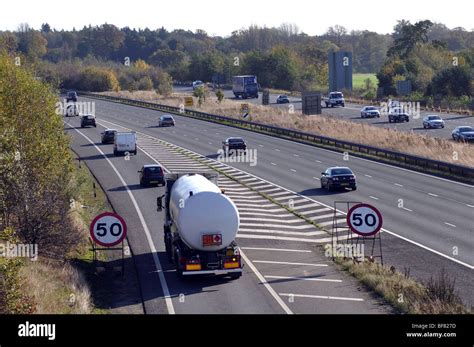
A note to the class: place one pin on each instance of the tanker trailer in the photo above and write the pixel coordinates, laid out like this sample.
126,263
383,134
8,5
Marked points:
200,226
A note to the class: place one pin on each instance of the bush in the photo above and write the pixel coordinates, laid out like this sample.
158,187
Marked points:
95,79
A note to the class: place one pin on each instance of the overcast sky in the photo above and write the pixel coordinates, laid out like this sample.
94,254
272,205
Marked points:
221,17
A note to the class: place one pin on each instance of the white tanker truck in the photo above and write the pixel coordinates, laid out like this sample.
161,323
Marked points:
200,226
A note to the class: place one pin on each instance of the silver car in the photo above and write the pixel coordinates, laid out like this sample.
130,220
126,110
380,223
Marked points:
369,112
463,133
433,121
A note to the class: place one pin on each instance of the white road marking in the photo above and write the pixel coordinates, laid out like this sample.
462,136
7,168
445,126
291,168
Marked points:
407,209
398,184
164,285
451,225
317,178
368,176
373,197
288,263
320,297
276,249
260,145
431,194
283,238
296,278
318,161
276,149
472,206
293,170
266,284
295,155
274,164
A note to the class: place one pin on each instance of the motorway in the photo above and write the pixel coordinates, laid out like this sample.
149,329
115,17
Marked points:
351,112
427,220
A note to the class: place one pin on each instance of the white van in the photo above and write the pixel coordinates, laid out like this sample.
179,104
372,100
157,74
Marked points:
125,142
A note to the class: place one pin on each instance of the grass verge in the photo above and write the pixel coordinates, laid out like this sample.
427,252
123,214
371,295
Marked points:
407,295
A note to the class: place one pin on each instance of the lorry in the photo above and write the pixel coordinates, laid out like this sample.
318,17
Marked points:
125,142
334,99
200,225
245,86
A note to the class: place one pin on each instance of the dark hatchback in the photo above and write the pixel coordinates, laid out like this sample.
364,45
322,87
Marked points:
338,177
108,136
71,96
151,174
88,120
234,145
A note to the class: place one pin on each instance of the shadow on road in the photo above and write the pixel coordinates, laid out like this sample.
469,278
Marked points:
322,192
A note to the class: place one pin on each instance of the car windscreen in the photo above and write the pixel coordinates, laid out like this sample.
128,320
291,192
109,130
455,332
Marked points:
341,172
434,117
236,141
370,108
466,129
336,95
167,118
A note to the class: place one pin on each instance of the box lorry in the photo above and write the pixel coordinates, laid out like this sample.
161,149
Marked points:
245,86
125,142
200,225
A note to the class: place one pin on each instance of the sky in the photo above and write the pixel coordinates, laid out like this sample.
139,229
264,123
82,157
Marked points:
221,17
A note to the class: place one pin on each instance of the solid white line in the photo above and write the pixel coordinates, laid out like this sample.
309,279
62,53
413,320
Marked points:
276,249
288,263
266,284
451,225
164,285
296,278
320,297
323,204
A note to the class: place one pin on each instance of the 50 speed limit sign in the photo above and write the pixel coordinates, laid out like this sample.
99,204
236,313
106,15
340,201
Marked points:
364,220
108,229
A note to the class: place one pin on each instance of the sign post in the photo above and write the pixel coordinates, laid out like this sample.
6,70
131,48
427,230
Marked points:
362,223
108,230
245,110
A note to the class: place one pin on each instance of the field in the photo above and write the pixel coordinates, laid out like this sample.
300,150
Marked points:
359,78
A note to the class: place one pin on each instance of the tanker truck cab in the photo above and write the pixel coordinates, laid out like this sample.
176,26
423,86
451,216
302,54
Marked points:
200,226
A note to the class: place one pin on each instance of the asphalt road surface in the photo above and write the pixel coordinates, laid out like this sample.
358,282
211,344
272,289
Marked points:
427,220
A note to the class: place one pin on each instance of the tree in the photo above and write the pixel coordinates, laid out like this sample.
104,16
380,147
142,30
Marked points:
35,164
455,81
409,35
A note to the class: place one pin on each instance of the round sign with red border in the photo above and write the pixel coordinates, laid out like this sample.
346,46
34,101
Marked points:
108,229
364,220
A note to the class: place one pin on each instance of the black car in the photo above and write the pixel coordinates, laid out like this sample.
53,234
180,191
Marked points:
88,120
398,117
107,136
71,96
151,174
234,145
283,99
166,121
338,177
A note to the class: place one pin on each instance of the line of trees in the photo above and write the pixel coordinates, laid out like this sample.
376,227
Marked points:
282,57
35,164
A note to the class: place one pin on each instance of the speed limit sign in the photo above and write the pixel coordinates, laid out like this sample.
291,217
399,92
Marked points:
364,220
108,229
